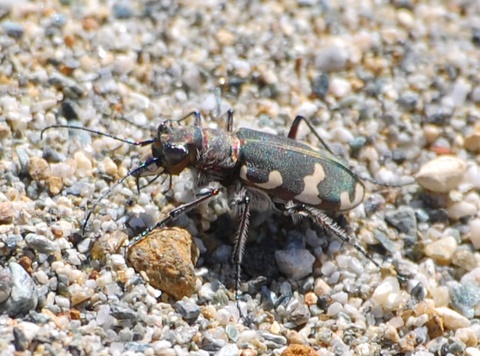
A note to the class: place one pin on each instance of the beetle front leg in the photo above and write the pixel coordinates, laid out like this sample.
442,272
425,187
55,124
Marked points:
243,202
203,196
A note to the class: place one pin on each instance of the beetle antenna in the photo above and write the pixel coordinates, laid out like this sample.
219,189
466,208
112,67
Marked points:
135,172
99,133
384,184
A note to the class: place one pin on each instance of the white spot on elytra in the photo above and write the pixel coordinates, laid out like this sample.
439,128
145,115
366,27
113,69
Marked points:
309,195
274,179
346,204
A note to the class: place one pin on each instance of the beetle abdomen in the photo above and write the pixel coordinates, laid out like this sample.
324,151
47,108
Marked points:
293,171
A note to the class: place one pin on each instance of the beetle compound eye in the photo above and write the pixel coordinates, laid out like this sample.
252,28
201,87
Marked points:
174,154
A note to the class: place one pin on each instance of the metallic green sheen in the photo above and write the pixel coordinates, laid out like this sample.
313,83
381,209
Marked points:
263,153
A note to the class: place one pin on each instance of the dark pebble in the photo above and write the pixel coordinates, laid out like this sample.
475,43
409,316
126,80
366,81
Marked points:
187,309
403,219
23,296
13,29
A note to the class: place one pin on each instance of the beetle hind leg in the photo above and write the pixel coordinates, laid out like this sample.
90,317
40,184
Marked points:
328,224
292,134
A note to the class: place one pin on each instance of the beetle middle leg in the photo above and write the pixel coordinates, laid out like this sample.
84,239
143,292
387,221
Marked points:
242,201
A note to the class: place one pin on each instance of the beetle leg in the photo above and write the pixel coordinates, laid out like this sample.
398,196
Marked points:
202,196
229,120
292,134
197,118
243,203
328,224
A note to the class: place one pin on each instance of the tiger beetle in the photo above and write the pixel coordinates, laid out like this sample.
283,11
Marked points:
259,170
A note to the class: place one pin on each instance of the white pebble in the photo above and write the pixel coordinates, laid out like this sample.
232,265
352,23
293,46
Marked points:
307,109
474,226
442,250
472,277
341,134
329,58
451,319
104,279
441,174
328,268
41,277
461,209
117,260
29,330
340,297
321,288
460,92
209,103
472,176
334,309
355,266
340,87
84,165
389,296
62,302
472,351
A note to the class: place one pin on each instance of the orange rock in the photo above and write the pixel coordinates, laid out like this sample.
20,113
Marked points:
167,256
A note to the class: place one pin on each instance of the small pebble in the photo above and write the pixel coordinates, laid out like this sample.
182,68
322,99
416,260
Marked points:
472,351
339,87
300,315
79,294
465,298
23,295
13,29
297,350
41,244
331,58
474,226
442,250
310,299
228,350
84,165
39,168
403,219
7,213
187,309
472,140
467,336
461,209
6,284
295,264
441,174
389,296
451,319
55,185
465,259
